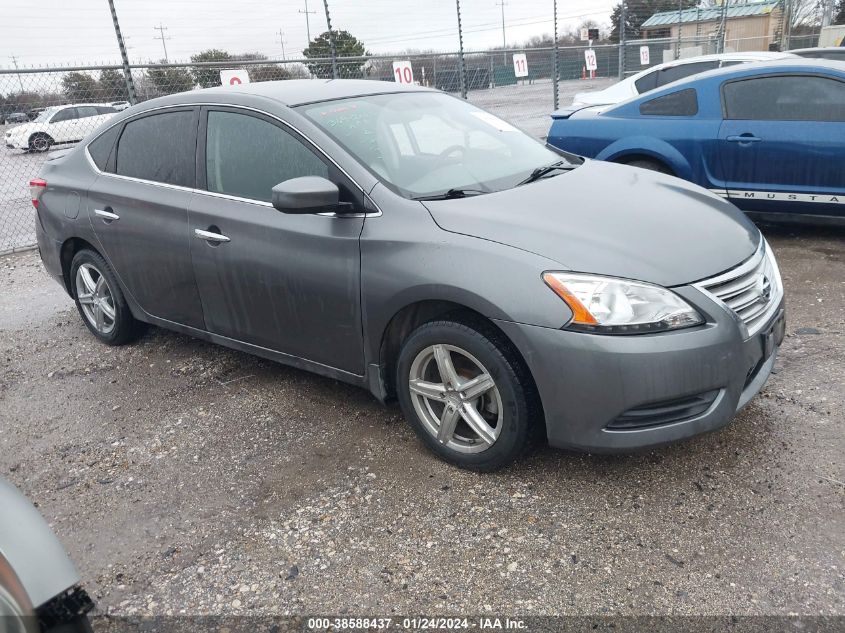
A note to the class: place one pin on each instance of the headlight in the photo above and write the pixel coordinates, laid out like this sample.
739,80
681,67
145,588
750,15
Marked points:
606,305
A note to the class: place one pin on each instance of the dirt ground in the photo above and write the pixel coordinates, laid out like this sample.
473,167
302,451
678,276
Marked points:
186,478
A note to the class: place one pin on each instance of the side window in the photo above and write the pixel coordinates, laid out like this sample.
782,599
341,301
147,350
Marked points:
159,147
680,103
646,82
100,148
68,114
730,62
105,110
86,111
674,73
246,156
785,98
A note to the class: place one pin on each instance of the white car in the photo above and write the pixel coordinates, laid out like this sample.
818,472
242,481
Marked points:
58,125
663,74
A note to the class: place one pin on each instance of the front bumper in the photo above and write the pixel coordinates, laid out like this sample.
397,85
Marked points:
14,142
590,385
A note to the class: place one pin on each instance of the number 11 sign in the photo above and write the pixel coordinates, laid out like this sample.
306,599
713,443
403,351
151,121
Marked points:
520,65
403,73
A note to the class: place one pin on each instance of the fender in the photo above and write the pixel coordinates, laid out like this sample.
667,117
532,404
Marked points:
648,146
31,548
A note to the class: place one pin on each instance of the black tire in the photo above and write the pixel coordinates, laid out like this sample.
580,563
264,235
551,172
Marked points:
520,408
653,165
40,142
125,327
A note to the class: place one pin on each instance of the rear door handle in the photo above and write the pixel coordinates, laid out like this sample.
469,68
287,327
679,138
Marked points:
744,138
108,216
209,236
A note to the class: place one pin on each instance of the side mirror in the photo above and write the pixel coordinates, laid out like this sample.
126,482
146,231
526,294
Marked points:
308,194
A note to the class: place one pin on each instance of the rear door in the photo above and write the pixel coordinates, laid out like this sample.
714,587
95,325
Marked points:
781,143
138,208
285,282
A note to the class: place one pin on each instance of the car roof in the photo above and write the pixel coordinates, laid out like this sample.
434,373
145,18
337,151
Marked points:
750,56
787,65
293,92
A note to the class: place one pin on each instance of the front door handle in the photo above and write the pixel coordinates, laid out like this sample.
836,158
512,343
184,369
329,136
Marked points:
210,236
744,138
107,215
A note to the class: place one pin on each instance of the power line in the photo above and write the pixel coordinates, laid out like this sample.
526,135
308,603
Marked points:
161,29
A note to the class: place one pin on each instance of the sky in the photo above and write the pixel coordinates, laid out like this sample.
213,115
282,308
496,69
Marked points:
76,32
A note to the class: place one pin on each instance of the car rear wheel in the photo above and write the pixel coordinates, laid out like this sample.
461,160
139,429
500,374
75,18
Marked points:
100,301
40,142
466,394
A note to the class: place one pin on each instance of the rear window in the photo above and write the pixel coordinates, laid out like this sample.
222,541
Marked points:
160,147
101,147
646,82
681,71
681,103
105,110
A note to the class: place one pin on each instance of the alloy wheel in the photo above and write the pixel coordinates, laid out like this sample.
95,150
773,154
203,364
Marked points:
456,398
95,298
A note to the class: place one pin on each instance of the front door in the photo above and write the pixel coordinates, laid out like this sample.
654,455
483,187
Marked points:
284,282
138,209
781,144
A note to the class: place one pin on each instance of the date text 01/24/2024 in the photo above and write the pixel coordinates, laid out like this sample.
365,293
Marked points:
415,623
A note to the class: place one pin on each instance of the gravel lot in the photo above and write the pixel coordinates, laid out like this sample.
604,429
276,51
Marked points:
186,478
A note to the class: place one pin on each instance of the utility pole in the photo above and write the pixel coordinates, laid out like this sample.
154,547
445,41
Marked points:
556,64
127,74
20,80
462,64
331,40
281,35
307,21
161,29
502,4
723,26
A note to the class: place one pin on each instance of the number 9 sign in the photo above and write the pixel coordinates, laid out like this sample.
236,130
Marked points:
403,73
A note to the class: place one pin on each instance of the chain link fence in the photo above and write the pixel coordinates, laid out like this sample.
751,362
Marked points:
45,109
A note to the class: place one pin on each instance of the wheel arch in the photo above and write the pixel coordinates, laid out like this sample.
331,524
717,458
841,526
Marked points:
647,148
70,247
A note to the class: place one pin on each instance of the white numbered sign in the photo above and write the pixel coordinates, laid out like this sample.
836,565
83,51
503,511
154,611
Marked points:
234,77
520,65
644,58
585,35
590,59
403,72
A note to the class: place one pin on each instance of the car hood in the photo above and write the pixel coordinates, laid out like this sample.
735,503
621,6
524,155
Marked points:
19,130
610,219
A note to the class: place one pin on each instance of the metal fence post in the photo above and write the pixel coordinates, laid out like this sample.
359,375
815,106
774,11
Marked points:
461,63
556,66
127,73
331,40
622,48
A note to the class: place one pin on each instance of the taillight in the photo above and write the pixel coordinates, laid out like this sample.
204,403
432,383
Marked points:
36,188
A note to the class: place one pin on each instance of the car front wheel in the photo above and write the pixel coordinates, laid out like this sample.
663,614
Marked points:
40,142
466,394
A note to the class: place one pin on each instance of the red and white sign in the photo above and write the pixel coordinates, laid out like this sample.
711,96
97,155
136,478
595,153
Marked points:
644,56
520,65
590,59
234,77
403,72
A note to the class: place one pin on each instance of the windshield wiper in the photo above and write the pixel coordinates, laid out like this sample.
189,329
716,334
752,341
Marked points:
545,170
452,193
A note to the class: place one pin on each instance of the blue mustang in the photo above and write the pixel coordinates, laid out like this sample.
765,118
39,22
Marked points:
769,136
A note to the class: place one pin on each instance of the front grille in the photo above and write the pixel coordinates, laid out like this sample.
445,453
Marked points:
752,290
665,412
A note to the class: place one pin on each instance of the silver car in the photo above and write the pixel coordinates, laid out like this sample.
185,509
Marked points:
405,241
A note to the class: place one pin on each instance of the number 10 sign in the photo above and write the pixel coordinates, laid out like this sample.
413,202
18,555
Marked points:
403,72
520,65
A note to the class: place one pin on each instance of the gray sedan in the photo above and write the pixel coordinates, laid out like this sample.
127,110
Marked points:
403,240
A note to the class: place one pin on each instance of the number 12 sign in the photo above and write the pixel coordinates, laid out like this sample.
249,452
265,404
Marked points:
520,65
403,72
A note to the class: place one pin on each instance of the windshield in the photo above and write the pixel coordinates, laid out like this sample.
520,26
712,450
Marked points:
45,115
424,144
